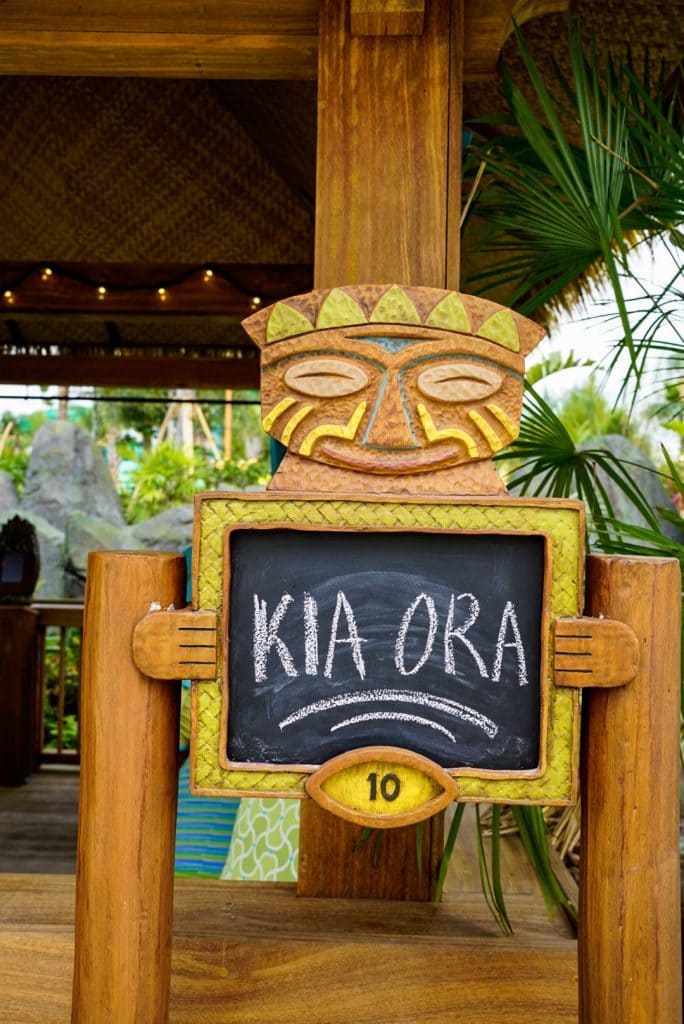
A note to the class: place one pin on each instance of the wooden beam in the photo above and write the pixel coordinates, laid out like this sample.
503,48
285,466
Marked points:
387,17
111,290
244,17
131,371
242,39
157,55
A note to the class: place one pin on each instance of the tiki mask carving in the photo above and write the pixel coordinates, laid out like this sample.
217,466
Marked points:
392,380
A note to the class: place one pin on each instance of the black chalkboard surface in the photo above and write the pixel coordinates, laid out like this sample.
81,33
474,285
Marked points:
344,639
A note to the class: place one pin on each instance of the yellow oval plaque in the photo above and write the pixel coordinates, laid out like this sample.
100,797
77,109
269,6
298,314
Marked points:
382,787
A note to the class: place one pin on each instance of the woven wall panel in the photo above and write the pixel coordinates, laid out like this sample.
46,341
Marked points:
126,170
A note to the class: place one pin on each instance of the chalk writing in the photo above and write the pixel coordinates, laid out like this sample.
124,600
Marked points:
425,641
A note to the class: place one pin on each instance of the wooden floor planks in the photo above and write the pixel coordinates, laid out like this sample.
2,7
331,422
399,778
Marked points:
246,953
38,823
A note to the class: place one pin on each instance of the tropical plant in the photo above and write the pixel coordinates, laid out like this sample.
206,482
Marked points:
570,184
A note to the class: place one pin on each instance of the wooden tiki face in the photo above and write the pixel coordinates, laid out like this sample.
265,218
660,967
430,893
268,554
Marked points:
392,380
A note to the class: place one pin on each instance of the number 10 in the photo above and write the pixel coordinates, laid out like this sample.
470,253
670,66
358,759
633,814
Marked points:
390,786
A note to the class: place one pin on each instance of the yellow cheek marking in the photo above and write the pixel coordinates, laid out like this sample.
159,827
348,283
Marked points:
293,423
433,434
494,442
277,411
348,432
511,428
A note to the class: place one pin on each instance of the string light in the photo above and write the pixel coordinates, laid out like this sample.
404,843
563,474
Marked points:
47,274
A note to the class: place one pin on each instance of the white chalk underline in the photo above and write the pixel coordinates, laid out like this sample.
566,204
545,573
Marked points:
444,704
394,716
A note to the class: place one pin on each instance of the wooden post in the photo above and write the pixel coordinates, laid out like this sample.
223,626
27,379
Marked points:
387,210
129,751
389,151
629,941
19,705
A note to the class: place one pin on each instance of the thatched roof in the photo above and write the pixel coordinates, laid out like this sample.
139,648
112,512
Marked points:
150,171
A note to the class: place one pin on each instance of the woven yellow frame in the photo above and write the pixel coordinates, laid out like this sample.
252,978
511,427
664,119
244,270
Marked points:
563,523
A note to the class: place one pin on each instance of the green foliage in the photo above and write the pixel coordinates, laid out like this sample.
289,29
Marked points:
53,669
566,193
586,413
14,461
568,187
164,477
553,364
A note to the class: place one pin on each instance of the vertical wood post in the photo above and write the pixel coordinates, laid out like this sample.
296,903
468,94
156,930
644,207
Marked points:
629,942
129,758
387,210
388,180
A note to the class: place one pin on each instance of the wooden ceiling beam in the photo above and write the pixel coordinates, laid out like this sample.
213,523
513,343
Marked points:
243,39
229,290
131,371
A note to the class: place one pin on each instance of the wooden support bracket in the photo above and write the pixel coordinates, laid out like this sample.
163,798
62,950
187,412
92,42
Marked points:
387,17
176,644
594,652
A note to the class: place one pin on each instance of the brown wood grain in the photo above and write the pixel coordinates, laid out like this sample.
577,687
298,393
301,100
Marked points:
330,866
594,652
630,955
176,645
387,17
247,953
250,39
383,118
157,54
129,740
131,371
245,17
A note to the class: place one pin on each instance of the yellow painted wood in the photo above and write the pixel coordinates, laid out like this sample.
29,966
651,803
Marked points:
353,787
560,521
383,787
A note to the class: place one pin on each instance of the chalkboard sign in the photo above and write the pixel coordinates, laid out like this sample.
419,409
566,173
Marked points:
341,639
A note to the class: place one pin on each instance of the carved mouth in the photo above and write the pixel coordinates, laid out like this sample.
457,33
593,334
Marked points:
417,461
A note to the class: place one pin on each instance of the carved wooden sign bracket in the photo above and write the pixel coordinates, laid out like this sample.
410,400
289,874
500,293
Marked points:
443,662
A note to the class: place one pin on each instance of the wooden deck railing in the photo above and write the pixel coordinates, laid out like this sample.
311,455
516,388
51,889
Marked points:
60,626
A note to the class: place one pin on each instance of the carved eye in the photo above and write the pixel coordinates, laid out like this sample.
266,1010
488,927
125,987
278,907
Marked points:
458,382
326,378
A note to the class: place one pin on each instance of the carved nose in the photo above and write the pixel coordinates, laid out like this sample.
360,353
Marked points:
390,426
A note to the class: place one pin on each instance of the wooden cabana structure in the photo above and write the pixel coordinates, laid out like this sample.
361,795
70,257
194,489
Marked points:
168,173
148,148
